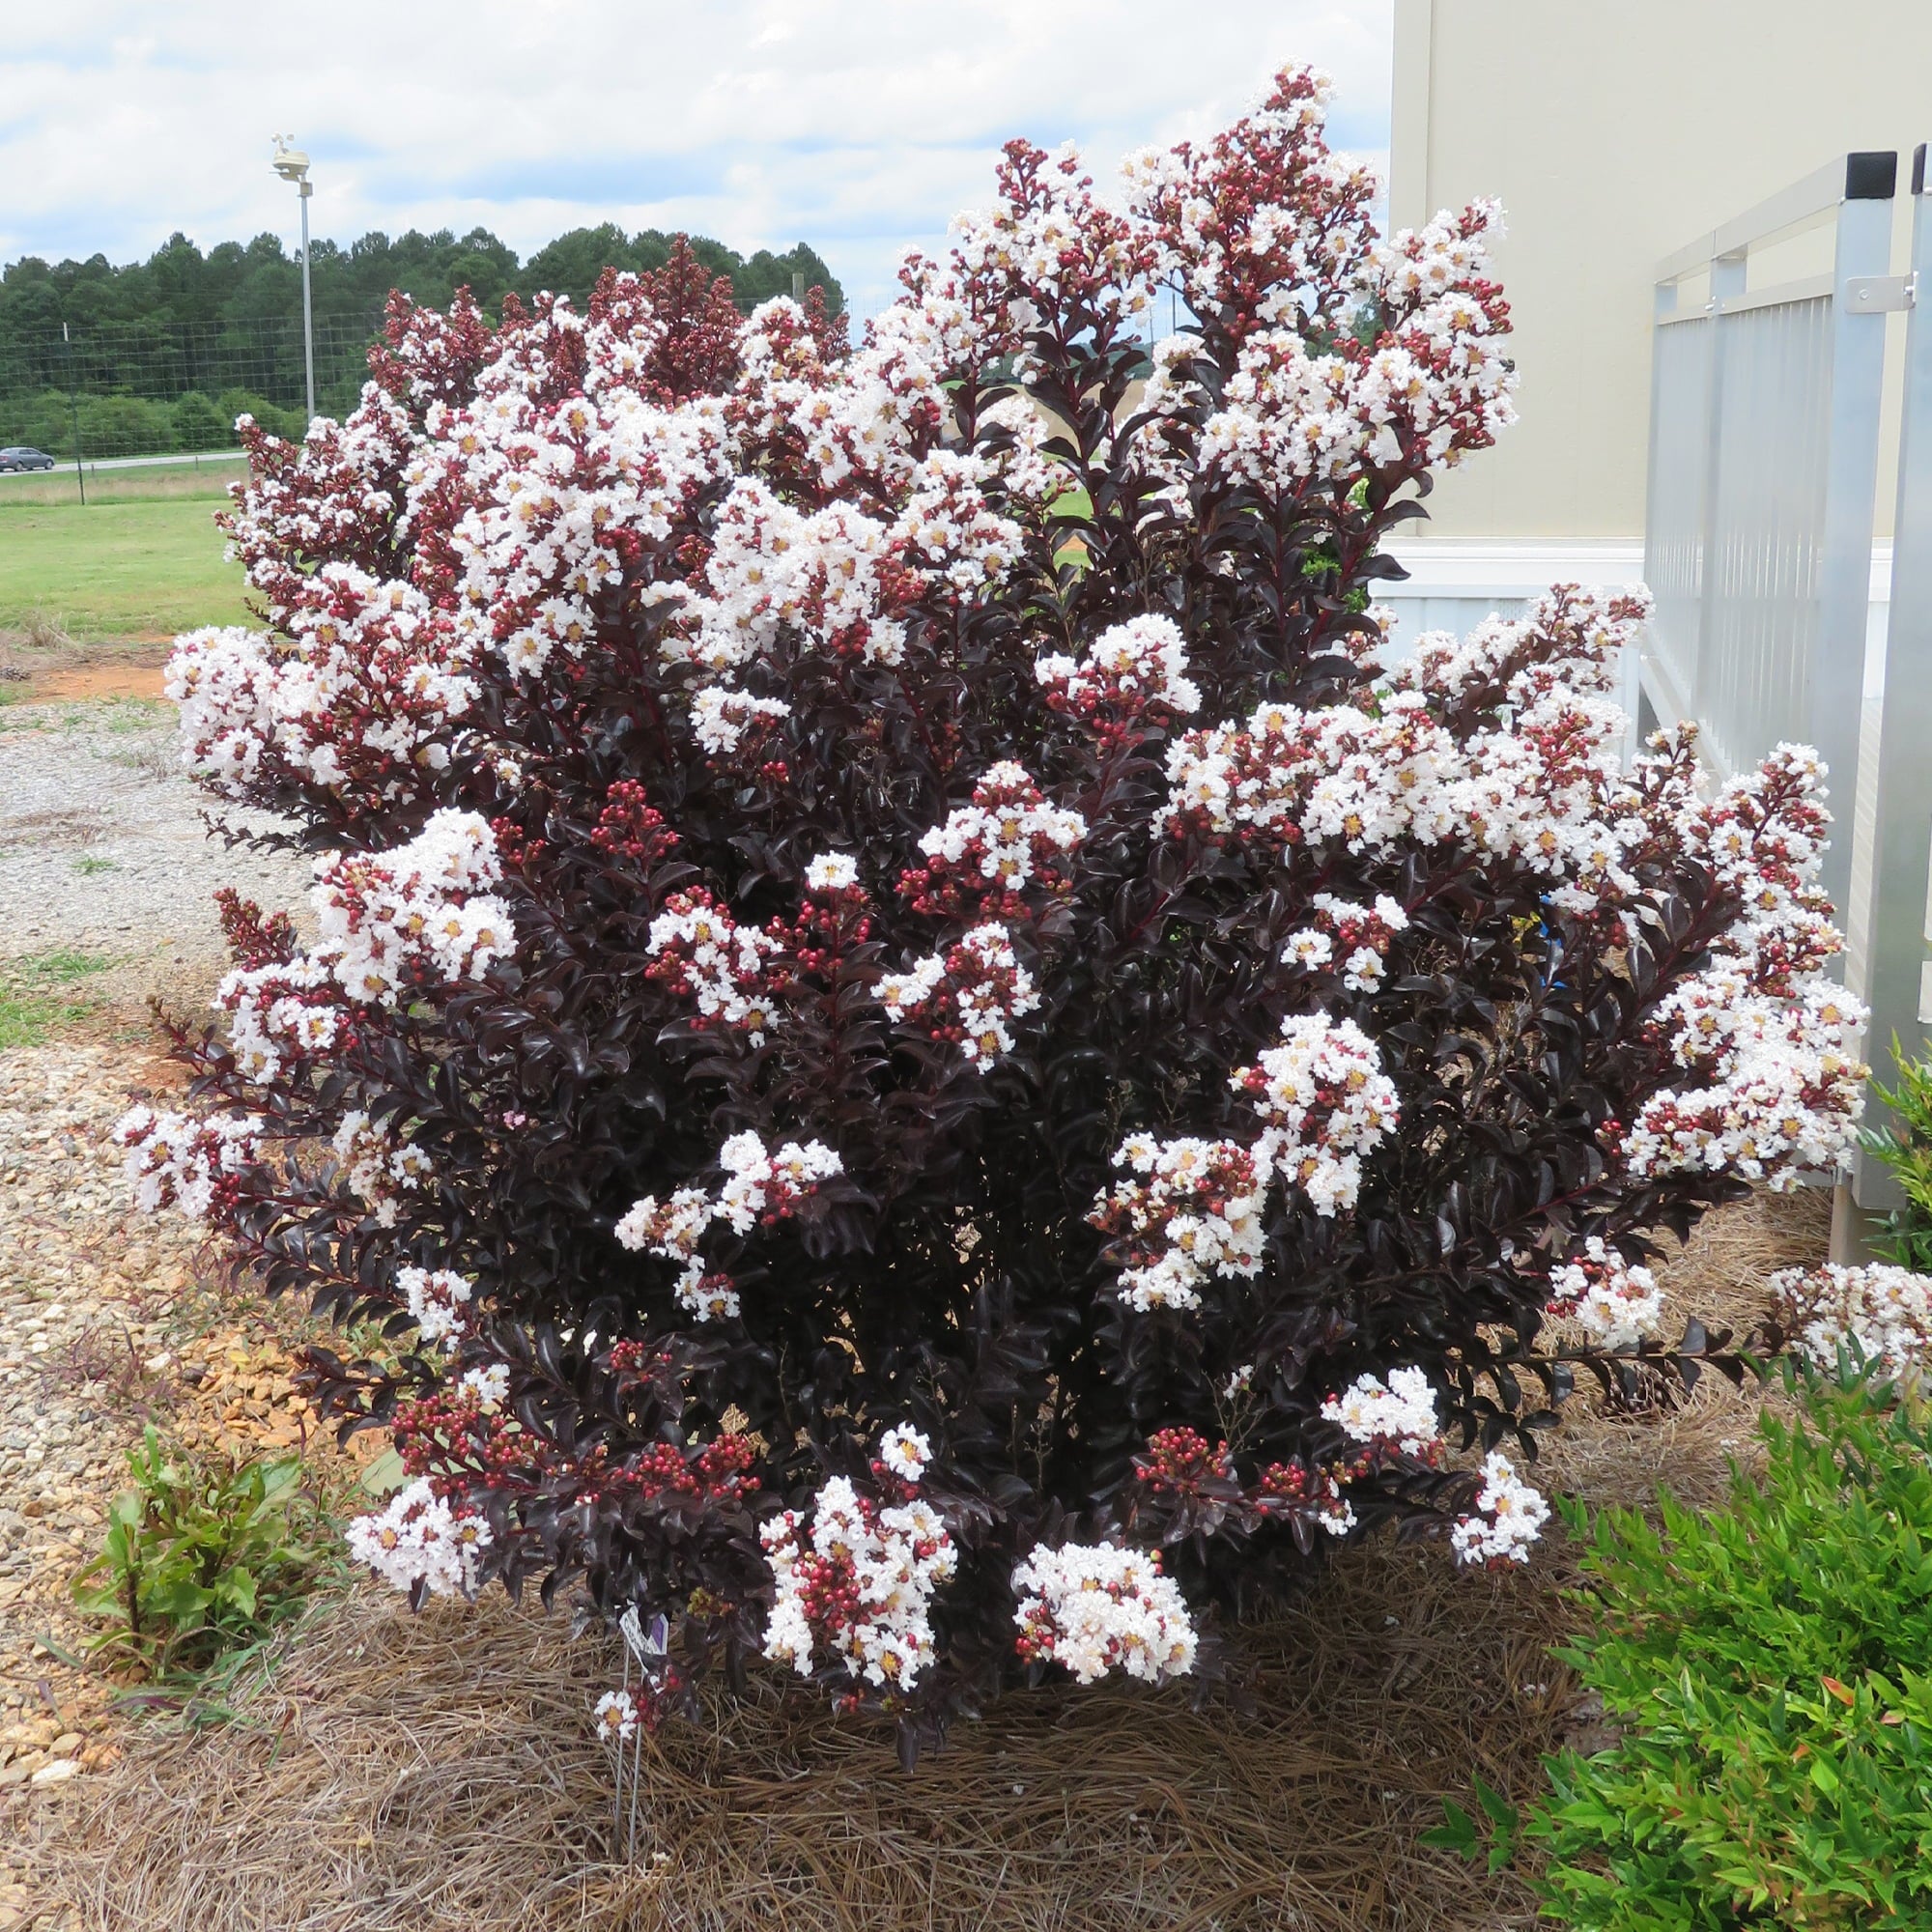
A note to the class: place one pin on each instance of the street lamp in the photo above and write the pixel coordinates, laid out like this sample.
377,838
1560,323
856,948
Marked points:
291,164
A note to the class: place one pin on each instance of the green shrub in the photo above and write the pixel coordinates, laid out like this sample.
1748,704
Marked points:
1906,1148
204,1558
1768,1664
200,425
124,426
278,421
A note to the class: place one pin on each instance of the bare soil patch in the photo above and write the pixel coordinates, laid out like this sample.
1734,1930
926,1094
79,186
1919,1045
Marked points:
50,667
128,679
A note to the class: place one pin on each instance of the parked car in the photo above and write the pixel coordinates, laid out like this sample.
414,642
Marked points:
21,457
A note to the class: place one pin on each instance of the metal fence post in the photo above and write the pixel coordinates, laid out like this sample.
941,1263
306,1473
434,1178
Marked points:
1663,304
1894,949
1834,685
1727,278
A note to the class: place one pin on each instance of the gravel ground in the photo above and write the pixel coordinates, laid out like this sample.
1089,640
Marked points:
88,1301
104,849
105,1320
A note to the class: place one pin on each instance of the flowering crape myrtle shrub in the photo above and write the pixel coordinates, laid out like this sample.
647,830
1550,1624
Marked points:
940,1078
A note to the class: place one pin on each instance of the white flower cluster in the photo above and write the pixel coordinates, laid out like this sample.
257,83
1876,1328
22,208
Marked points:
1031,479
1096,1607
420,1539
857,426
759,1184
1768,1040
1360,934
553,489
436,1298
1195,1213
968,996
1546,790
524,501
1197,1209
1886,1311
827,577
1616,1302
224,678
175,1160
1401,1410
1571,639
1291,774
365,680
720,717
708,955
422,911
773,567
1324,1102
831,872
1509,1517
489,1386
1263,205
1051,238
1368,781
1780,1085
1127,671
370,679
376,1167
1289,419
858,1580
615,1716
905,1452
1007,837
388,922
1306,409
948,532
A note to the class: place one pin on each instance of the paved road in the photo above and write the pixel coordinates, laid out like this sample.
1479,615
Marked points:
89,463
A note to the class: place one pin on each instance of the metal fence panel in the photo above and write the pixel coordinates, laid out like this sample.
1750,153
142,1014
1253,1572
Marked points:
1760,607
1673,549
1765,417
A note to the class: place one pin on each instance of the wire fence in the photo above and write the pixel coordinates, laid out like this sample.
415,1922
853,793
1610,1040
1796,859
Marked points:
116,390
120,390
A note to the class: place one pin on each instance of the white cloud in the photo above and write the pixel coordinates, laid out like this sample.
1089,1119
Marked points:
856,124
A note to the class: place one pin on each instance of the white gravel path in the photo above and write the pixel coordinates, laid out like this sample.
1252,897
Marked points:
102,848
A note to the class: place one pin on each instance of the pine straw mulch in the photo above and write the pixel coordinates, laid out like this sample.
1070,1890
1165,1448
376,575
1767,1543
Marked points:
399,1773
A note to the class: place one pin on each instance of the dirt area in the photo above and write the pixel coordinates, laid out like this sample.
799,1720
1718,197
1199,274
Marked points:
50,667
102,680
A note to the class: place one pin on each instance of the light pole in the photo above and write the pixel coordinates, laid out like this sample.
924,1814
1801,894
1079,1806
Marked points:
291,164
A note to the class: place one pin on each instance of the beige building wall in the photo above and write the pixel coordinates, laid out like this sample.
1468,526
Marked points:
1615,131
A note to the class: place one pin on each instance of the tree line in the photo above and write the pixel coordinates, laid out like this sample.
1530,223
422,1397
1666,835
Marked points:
162,354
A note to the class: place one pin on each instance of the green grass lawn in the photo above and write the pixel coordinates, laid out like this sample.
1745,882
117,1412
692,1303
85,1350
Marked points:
146,567
206,476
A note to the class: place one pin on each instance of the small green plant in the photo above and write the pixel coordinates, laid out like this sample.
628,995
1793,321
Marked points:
203,1559
44,992
1461,1831
88,865
1769,1665
1906,1148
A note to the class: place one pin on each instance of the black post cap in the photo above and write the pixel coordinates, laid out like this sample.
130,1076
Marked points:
1871,176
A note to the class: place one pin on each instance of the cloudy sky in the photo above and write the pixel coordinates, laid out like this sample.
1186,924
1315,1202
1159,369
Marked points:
856,124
